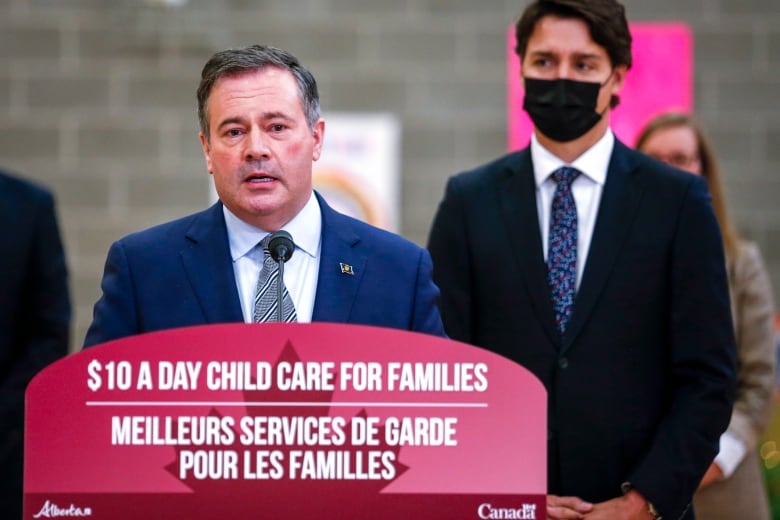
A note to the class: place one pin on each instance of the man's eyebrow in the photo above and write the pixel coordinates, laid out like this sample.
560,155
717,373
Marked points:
587,56
276,115
230,121
542,54
266,116
576,55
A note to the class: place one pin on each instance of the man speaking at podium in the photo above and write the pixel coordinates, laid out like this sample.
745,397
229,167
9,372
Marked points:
260,129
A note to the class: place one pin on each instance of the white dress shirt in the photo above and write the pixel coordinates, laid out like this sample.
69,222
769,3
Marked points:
586,188
732,451
300,272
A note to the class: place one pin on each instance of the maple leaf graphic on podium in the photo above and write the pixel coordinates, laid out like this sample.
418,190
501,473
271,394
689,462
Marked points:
320,497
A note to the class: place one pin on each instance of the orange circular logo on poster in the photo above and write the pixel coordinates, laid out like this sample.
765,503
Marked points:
347,195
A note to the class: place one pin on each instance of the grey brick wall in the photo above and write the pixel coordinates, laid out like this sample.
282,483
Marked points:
97,99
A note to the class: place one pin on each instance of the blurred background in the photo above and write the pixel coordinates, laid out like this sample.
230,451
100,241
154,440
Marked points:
97,100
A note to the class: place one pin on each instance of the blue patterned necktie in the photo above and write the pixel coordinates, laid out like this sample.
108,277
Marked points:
266,296
562,247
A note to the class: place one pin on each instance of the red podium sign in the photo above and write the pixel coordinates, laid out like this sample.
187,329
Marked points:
285,421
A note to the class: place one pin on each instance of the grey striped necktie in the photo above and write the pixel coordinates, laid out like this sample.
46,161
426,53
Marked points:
266,303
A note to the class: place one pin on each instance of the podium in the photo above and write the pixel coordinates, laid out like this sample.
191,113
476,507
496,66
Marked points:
279,421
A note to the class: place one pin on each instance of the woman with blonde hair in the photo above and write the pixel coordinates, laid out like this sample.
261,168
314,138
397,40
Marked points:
733,486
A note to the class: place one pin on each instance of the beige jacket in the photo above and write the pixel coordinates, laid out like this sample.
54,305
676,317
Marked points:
743,496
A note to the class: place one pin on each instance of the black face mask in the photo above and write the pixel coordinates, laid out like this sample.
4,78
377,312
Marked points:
562,109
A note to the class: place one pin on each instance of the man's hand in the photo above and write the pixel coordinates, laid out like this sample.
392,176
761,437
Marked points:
714,473
564,508
631,506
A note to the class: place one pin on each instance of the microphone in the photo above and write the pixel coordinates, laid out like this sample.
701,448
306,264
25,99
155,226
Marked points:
281,247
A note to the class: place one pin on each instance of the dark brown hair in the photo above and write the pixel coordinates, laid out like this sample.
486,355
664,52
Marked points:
709,170
606,20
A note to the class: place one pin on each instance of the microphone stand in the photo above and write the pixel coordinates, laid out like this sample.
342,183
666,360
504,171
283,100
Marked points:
281,247
279,285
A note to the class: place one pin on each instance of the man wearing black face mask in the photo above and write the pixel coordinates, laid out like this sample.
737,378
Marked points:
602,272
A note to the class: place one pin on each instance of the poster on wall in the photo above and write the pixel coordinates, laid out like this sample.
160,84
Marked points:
359,170
660,79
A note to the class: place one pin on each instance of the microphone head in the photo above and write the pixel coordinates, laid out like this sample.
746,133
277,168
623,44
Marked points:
281,246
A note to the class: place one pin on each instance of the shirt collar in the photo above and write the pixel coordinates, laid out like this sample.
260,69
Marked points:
593,163
305,229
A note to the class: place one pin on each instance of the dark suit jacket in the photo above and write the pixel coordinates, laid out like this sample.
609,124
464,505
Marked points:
34,315
640,386
180,274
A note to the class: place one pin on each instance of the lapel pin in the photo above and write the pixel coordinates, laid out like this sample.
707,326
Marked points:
346,269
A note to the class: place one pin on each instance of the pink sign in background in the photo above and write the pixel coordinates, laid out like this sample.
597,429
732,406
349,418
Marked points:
660,79
74,461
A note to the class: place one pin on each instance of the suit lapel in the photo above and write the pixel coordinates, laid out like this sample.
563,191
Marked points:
342,265
208,266
517,202
619,203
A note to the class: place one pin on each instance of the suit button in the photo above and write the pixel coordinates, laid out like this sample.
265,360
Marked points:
563,362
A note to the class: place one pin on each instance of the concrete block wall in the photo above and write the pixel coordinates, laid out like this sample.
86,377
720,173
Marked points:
97,99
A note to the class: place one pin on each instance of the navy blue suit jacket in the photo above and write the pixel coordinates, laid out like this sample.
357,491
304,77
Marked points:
34,315
640,385
180,274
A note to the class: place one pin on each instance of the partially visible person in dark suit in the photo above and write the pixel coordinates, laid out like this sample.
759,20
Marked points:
261,130
34,315
733,487
600,270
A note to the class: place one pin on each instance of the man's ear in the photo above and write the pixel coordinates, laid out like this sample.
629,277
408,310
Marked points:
204,143
318,133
